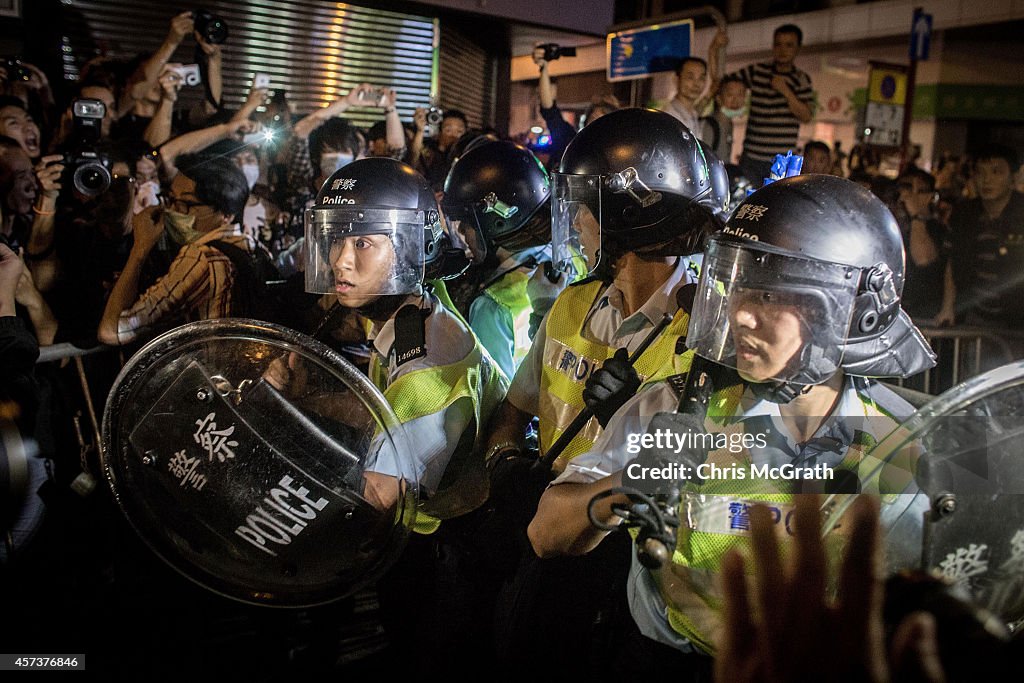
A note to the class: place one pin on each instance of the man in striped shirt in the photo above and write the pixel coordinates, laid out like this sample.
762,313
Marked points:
204,202
780,100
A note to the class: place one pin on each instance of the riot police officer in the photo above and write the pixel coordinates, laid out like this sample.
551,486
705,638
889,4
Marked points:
799,302
498,196
374,238
629,204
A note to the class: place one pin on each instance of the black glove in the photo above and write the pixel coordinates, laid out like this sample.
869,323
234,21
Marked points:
681,445
611,386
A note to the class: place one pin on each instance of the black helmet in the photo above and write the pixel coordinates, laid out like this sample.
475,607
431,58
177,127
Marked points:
377,196
829,252
638,172
500,189
719,199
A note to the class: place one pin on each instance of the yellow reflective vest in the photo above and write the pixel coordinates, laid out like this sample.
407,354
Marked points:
431,390
569,358
714,517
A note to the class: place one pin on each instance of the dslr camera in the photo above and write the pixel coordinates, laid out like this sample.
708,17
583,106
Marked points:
16,71
87,170
211,27
553,51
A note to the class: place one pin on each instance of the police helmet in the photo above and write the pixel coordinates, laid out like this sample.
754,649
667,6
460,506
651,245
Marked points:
500,190
823,253
391,205
636,174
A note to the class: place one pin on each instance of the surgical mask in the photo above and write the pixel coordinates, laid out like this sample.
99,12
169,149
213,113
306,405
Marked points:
733,113
332,161
252,174
180,227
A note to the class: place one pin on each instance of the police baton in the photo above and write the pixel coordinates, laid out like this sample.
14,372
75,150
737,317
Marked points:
703,378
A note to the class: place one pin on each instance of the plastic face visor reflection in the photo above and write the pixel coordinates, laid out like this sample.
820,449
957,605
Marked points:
772,316
576,223
359,254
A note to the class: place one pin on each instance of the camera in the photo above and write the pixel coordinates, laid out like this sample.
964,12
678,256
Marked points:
190,74
86,170
211,27
434,117
87,117
553,51
16,71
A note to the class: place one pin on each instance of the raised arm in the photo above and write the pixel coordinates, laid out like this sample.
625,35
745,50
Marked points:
149,72
201,139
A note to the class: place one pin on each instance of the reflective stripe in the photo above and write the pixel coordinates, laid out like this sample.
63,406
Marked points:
728,515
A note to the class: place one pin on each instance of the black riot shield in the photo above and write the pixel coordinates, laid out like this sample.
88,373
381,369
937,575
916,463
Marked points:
258,463
970,471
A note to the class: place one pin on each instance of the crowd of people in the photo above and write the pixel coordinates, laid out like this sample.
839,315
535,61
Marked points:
522,325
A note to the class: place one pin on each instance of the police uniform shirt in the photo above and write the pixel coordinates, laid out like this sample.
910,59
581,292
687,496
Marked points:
828,446
605,323
491,322
433,437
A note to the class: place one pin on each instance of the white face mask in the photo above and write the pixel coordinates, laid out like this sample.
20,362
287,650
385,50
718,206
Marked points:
252,174
733,113
332,161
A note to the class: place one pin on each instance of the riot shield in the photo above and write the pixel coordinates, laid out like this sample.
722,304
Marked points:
970,470
258,463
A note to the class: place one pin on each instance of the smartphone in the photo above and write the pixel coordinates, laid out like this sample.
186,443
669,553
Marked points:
376,96
190,74
261,81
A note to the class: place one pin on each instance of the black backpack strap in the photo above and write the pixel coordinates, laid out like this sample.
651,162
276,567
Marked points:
247,281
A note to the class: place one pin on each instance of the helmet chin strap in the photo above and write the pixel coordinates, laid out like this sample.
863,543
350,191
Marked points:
382,308
778,392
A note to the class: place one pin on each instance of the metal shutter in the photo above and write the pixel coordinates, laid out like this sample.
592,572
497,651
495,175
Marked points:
467,77
315,51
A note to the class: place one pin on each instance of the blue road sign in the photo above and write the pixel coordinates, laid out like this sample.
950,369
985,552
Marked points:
920,35
639,52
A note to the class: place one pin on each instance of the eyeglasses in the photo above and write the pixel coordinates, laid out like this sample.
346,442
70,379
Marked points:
176,202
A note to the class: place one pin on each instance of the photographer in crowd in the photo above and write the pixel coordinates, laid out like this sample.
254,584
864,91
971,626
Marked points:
431,154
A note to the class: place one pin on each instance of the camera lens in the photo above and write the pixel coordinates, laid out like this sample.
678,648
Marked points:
92,179
213,28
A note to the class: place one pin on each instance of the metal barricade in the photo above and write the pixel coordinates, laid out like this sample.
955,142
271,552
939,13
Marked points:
963,353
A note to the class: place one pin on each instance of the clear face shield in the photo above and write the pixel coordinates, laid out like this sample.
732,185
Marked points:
361,254
772,317
576,223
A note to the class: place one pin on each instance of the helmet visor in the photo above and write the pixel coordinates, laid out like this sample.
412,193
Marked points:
576,223
360,254
772,316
